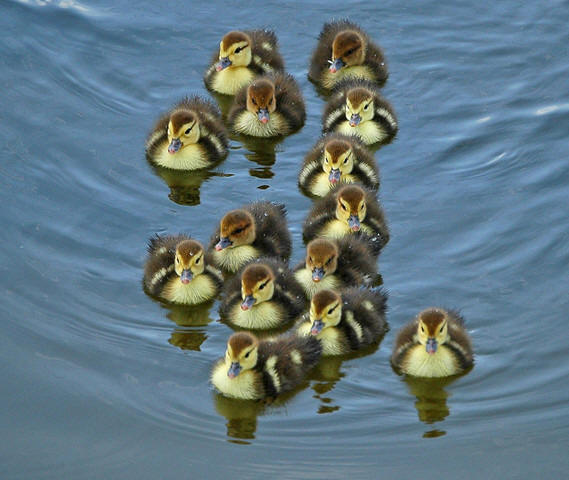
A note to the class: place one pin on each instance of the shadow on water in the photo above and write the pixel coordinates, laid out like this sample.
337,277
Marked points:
261,151
431,401
190,332
185,184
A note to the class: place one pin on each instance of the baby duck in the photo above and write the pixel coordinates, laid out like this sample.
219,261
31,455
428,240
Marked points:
255,230
188,137
178,270
242,56
346,210
335,264
434,344
344,50
262,369
346,323
357,108
334,159
270,106
263,295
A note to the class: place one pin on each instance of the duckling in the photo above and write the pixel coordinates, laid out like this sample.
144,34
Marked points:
255,230
357,108
335,264
188,137
348,322
334,159
270,106
178,270
262,369
263,295
344,50
243,56
346,210
434,344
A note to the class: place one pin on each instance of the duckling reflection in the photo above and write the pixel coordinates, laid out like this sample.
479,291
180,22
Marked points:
185,185
241,415
262,151
192,322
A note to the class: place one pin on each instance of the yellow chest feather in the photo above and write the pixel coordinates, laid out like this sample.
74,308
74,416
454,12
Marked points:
330,79
230,80
333,340
369,131
246,385
338,229
248,124
190,157
321,185
264,316
199,290
304,277
419,363
231,259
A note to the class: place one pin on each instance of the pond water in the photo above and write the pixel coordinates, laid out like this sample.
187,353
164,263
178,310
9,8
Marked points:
100,381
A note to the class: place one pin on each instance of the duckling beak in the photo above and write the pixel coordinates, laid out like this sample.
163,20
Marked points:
224,62
335,65
224,242
263,115
354,223
234,370
317,327
175,145
186,276
355,120
317,274
248,302
334,177
431,346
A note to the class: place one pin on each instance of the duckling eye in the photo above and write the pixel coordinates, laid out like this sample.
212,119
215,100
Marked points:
263,286
345,160
238,49
441,329
343,206
198,260
329,260
253,101
331,310
422,329
362,207
247,354
238,230
177,259
366,106
325,160
187,132
350,51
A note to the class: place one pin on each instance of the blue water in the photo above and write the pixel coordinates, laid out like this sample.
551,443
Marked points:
99,381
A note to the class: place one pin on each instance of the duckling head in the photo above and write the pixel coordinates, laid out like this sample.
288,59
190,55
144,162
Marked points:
321,258
351,206
189,260
237,228
234,51
348,49
432,329
241,353
257,285
325,311
359,106
338,159
183,130
261,99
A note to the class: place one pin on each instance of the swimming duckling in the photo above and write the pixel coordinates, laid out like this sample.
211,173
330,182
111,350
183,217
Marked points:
270,106
346,210
357,108
263,295
255,230
262,369
344,50
334,159
188,137
434,344
243,56
178,270
348,322
335,264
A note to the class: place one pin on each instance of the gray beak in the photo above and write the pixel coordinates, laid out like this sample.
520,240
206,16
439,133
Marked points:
224,242
354,223
334,177
248,302
175,145
263,115
186,276
317,274
336,65
431,346
223,63
355,120
234,370
317,327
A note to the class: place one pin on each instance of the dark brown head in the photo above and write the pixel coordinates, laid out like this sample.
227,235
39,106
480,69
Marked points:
237,228
351,206
321,258
261,99
348,49
183,130
257,285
